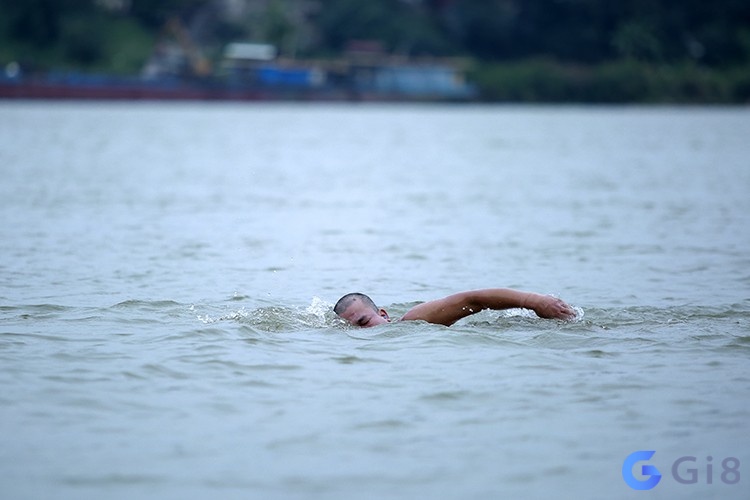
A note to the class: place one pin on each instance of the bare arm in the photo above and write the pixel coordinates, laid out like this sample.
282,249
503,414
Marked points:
448,310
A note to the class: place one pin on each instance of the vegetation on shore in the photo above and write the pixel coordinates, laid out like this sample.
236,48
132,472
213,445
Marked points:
653,51
614,82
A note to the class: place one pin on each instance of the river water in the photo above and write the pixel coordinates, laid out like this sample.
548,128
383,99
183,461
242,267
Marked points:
167,273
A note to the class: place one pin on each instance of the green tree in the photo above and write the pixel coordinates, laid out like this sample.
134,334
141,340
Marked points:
401,27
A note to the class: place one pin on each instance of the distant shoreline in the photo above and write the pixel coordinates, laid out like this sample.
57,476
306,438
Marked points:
540,81
617,82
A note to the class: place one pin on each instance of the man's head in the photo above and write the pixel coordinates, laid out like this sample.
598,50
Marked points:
359,310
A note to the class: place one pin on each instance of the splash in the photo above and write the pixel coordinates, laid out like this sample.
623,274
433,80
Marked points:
527,313
318,314
579,313
231,316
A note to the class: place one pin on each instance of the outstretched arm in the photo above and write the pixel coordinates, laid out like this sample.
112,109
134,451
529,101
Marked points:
448,310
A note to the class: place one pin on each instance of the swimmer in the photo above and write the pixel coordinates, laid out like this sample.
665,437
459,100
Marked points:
359,309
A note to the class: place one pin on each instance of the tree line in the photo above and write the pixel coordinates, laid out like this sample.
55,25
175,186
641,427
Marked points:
681,50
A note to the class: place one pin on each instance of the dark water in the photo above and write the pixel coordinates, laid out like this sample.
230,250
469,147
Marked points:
167,274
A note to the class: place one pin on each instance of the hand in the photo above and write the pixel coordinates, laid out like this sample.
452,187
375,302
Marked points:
548,307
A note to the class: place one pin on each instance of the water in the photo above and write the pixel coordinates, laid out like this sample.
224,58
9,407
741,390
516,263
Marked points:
168,271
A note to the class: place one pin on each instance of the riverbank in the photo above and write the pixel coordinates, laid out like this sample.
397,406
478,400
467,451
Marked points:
626,81
528,81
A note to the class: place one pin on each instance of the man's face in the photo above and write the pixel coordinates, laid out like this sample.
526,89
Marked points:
359,314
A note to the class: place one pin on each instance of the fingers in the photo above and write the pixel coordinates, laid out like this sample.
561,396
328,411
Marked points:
558,309
549,307
568,312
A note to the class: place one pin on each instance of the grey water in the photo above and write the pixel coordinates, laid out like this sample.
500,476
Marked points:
167,273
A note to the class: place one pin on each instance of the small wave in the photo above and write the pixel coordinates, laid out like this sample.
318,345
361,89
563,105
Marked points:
686,314
145,304
36,308
741,342
36,311
114,480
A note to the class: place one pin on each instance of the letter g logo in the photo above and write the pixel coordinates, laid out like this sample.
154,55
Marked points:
646,470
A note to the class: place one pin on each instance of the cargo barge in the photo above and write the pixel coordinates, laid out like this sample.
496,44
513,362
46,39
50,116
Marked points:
246,76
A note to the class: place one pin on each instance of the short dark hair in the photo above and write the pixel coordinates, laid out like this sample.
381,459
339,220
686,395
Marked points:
348,299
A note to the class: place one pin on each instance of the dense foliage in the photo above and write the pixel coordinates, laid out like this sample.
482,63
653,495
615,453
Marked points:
597,50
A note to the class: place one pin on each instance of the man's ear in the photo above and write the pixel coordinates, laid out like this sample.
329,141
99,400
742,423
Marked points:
384,314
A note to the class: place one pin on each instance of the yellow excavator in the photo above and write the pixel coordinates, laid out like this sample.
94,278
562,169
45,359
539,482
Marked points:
199,65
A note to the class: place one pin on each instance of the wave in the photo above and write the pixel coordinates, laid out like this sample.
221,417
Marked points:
35,311
710,326
145,304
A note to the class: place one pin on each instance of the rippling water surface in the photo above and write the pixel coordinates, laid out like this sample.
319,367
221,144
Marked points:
167,274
